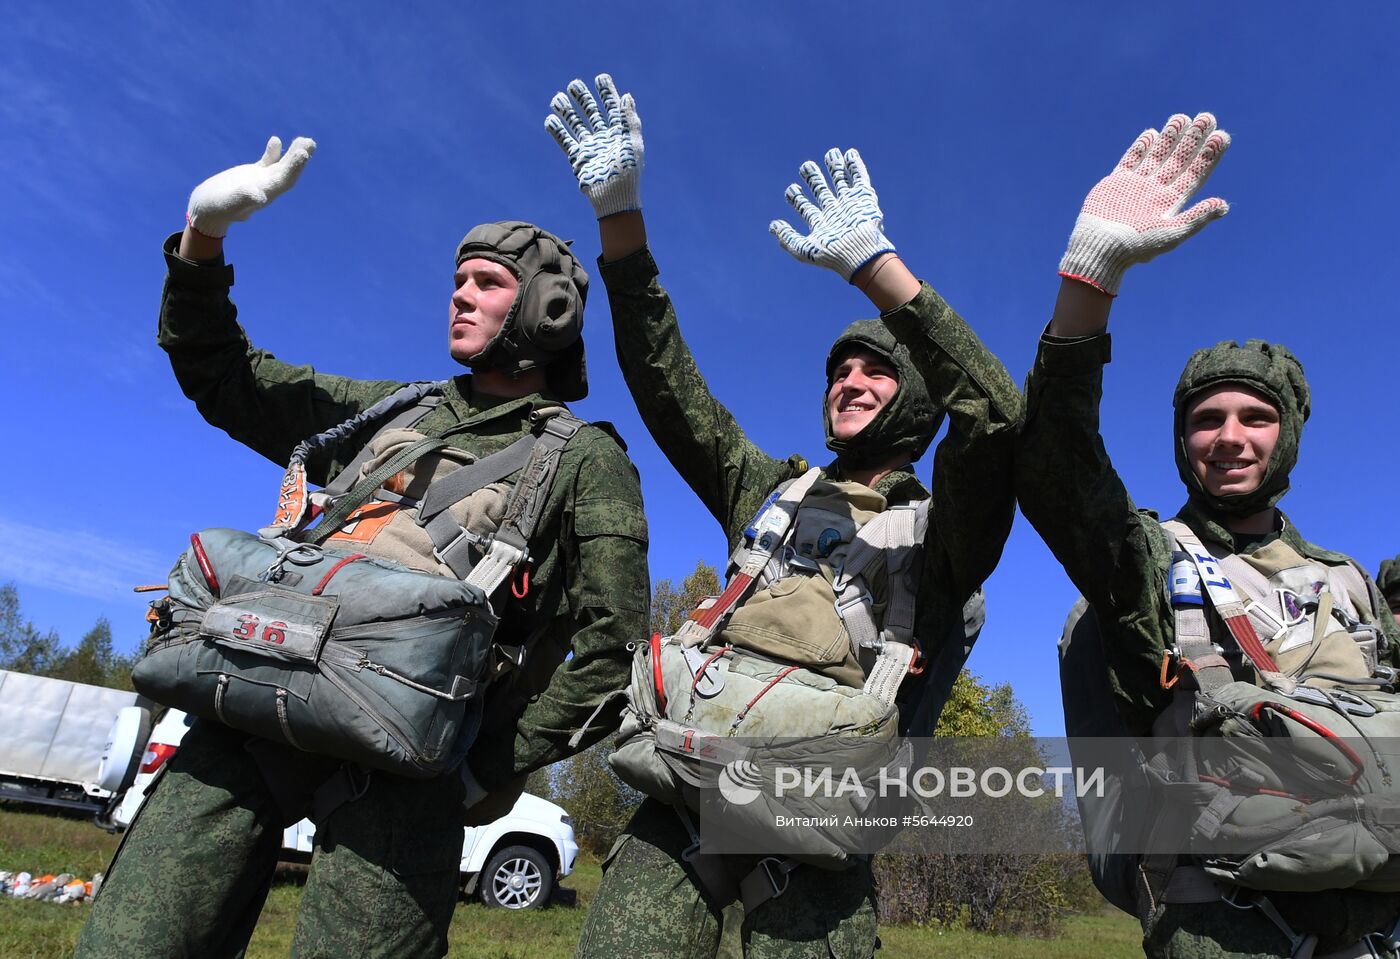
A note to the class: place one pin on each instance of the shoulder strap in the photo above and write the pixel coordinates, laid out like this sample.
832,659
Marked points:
293,502
536,457
771,530
1227,605
406,418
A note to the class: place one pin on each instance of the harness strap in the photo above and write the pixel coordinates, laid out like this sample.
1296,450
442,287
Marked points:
408,417
889,671
894,535
536,458
768,880
1228,606
363,491
293,502
773,526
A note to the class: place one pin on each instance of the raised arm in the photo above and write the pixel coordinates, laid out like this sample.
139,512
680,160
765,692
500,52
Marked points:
973,502
699,436
1066,484
260,401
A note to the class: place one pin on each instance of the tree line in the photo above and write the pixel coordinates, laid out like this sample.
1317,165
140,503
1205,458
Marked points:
24,648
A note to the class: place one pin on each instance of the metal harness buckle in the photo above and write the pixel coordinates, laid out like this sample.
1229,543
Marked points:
782,873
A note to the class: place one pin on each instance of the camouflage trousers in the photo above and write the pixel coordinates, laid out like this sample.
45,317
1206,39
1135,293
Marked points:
193,871
1217,930
650,905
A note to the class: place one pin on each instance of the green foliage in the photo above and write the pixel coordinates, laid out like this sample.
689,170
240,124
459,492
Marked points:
24,649
975,709
598,802
671,604
1005,893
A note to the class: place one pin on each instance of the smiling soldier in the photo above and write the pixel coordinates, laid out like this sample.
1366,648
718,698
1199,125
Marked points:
1239,412
889,383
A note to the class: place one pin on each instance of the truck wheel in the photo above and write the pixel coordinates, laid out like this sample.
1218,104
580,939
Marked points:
517,877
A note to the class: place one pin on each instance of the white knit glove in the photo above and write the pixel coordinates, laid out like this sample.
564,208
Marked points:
845,225
238,193
1132,215
604,147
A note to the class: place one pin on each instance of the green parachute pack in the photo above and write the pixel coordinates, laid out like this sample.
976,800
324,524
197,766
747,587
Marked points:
300,634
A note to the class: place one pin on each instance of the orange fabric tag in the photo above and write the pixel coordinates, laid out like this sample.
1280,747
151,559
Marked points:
367,522
291,498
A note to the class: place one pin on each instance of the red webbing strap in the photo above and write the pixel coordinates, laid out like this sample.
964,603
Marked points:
1243,630
656,673
1223,597
735,591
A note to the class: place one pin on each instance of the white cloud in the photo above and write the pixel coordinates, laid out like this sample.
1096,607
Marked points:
77,562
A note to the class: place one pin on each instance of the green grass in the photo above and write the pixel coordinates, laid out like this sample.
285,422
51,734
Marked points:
47,842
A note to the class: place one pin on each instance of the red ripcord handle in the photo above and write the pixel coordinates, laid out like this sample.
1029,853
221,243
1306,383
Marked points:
1309,723
205,567
656,672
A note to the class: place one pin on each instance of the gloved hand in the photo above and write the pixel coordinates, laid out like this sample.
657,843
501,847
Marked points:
845,225
238,193
1132,215
604,150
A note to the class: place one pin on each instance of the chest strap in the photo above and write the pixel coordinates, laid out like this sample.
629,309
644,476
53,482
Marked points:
412,402
1228,606
896,536
773,526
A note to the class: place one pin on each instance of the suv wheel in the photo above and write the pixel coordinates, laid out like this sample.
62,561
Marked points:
517,877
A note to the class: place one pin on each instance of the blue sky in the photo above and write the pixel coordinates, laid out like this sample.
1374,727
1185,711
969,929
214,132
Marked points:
983,125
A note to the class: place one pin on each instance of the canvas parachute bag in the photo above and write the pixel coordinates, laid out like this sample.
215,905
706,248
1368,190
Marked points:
698,711
287,635
1318,814
1323,811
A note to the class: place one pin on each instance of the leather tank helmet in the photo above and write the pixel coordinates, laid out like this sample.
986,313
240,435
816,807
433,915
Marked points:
1274,372
906,423
544,327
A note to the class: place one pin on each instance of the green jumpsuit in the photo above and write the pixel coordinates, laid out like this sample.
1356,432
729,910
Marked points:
1119,559
194,869
650,903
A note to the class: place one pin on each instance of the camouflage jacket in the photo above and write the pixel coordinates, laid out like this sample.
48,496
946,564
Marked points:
972,497
588,589
1115,554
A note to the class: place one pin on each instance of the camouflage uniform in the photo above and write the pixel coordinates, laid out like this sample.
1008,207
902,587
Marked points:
649,903
1388,579
1119,558
194,870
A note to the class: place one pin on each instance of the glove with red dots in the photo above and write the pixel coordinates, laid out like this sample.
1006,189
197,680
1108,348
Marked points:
1133,214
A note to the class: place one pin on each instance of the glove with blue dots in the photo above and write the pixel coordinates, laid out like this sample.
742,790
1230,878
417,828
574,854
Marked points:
604,146
845,221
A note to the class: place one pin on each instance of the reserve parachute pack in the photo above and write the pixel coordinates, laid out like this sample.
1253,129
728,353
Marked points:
703,702
368,637
1297,769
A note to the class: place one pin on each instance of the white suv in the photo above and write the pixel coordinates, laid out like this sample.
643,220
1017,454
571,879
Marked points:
512,862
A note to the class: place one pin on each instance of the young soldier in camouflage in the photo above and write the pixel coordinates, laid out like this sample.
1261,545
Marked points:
192,874
1388,579
889,384
1239,416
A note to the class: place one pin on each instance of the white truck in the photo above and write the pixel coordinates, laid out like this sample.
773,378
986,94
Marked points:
53,749
512,862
